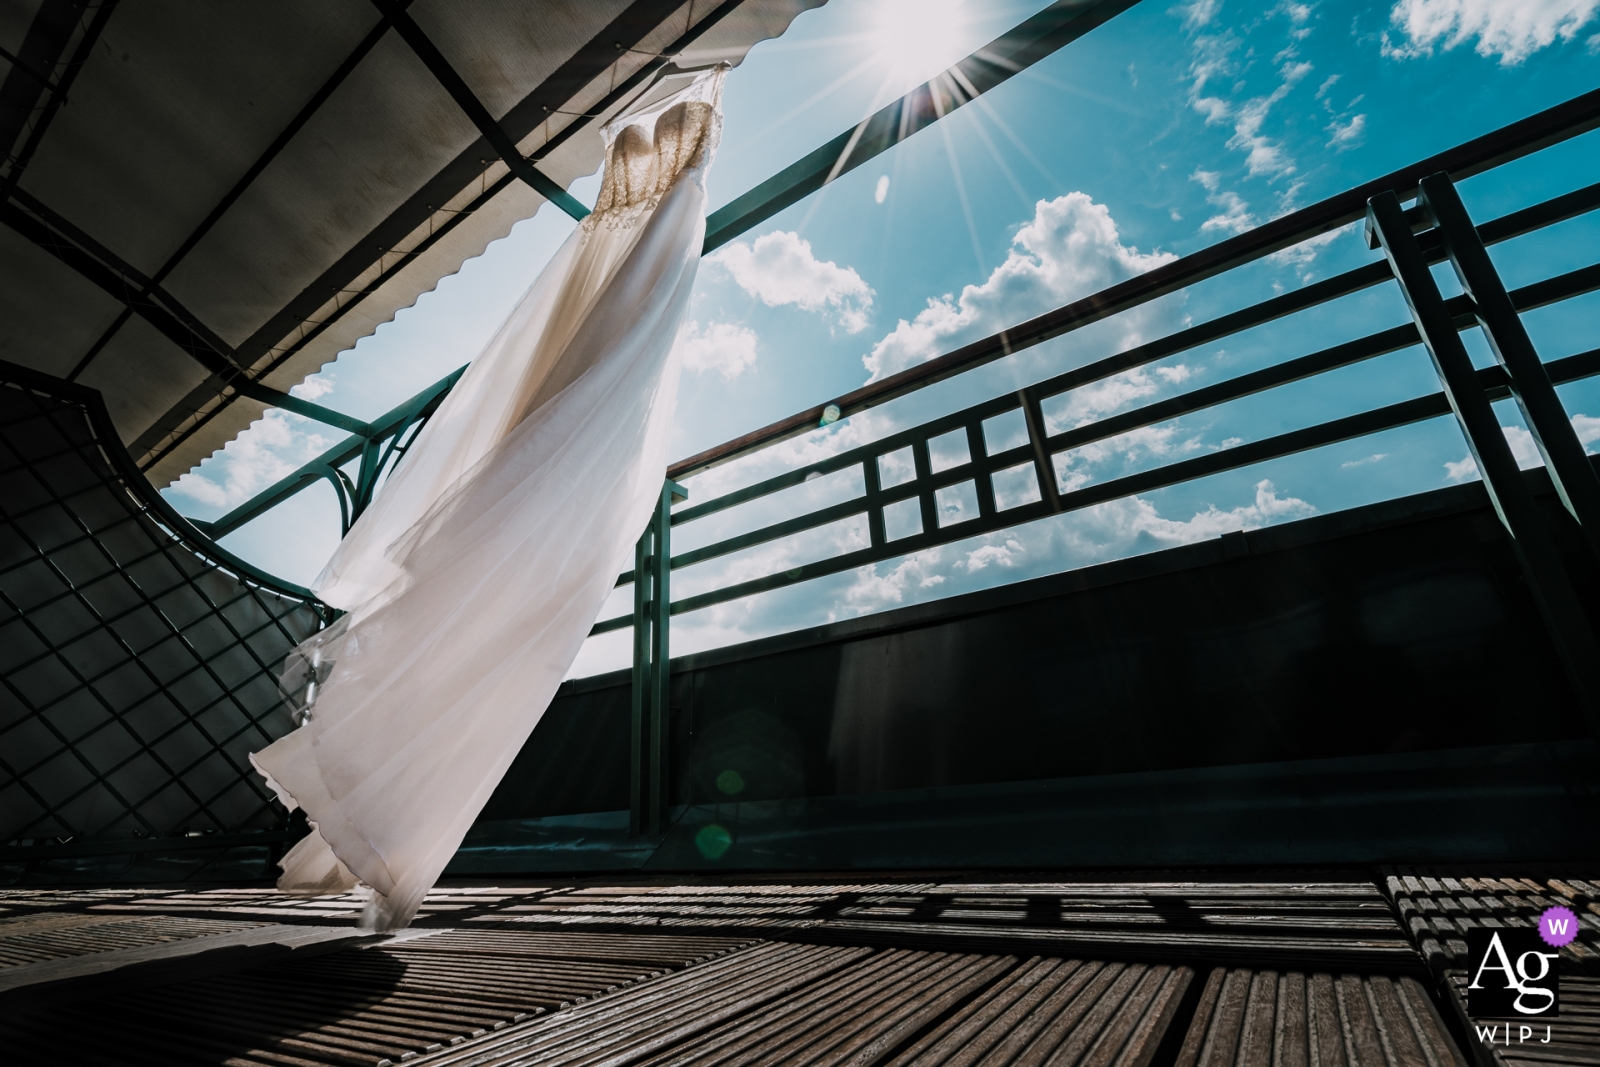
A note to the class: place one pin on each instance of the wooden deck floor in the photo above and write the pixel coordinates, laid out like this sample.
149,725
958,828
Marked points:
1314,971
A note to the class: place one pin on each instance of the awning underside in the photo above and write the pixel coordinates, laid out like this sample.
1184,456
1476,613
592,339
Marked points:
232,195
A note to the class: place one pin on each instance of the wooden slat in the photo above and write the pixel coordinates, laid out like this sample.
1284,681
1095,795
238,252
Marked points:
1267,1019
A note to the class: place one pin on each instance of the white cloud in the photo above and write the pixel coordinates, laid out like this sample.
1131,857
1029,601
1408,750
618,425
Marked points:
779,268
1367,461
1510,29
314,388
1302,254
1199,13
1068,250
724,347
1107,531
881,193
1092,402
1348,134
1297,13
1588,428
1213,58
1008,554
1162,442
1263,155
1267,509
1235,216
1523,449
872,591
269,450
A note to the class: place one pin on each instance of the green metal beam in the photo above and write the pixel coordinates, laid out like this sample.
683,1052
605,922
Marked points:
469,103
268,395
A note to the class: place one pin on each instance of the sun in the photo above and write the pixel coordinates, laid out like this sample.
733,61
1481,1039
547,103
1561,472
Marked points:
918,37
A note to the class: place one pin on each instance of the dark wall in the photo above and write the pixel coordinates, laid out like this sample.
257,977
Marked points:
1398,628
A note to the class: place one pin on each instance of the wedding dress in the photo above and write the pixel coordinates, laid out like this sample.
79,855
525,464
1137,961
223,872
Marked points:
473,578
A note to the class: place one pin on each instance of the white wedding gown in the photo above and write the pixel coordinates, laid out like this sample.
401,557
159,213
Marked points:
472,580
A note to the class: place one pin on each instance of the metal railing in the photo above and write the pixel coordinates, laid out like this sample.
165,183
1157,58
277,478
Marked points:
1520,375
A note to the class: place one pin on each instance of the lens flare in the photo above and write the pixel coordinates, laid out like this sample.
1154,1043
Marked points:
919,37
713,841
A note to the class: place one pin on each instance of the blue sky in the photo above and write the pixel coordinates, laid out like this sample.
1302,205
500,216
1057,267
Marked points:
1169,128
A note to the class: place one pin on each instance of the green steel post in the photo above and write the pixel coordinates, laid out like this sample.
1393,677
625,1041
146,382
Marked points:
366,478
660,607
641,682
1564,458
652,609
1043,466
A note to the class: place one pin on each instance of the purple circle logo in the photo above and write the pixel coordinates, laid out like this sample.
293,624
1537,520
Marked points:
1558,926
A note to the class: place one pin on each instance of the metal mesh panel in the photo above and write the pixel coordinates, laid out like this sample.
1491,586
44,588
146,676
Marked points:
136,658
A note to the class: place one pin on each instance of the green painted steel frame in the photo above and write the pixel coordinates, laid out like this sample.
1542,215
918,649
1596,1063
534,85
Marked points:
1550,127
652,664
354,496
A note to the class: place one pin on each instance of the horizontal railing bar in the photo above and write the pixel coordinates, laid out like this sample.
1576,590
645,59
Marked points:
289,402
1548,127
1516,224
1538,216
1561,287
1575,367
1494,379
1332,432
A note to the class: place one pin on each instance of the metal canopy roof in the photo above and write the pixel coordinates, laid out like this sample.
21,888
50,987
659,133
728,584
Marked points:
204,204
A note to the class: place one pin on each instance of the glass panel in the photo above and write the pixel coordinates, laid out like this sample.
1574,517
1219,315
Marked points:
902,519
956,503
896,468
1005,431
949,450
1016,486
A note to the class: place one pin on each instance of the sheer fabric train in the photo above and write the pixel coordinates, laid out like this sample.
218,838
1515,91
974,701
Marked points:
472,580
